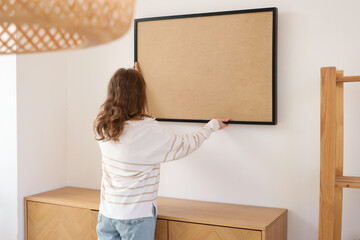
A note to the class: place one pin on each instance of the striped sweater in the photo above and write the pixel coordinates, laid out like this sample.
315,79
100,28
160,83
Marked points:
131,166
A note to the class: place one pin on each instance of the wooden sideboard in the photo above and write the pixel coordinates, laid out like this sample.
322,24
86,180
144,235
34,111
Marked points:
71,213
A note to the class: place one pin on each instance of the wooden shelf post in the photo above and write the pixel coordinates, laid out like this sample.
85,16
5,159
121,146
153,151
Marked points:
331,154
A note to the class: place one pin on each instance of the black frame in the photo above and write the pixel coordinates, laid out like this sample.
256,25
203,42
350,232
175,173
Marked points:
274,58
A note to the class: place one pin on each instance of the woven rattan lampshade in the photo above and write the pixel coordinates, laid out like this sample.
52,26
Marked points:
47,25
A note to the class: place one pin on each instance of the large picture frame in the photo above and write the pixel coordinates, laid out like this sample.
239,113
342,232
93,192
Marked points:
210,65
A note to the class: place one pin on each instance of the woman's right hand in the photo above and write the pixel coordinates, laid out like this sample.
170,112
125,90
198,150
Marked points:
222,122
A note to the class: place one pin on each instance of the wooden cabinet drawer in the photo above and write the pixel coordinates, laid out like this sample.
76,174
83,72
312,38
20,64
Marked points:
194,231
161,229
55,222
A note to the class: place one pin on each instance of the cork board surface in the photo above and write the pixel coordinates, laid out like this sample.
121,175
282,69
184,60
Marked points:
199,68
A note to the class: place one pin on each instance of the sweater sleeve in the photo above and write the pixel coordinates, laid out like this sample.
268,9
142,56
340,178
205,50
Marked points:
178,146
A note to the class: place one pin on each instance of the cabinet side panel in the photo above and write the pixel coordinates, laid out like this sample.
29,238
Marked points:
277,230
25,219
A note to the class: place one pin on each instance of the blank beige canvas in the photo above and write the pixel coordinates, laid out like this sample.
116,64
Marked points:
208,67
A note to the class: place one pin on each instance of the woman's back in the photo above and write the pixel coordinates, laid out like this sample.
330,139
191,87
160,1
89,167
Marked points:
129,184
131,166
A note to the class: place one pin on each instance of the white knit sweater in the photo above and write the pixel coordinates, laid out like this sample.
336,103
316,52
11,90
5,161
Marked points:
131,167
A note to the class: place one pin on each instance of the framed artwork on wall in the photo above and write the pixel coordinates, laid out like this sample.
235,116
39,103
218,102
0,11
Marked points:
210,65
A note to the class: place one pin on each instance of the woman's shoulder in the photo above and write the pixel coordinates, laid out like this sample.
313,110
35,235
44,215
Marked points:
138,122
146,126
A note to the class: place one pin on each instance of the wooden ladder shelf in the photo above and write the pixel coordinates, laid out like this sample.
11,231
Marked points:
332,180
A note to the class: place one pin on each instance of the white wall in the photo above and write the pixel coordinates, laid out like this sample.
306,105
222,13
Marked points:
42,130
258,165
8,148
351,209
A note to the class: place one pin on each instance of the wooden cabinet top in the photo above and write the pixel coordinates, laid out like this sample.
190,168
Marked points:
222,214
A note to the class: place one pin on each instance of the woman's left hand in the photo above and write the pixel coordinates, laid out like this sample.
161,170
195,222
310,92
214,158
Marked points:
136,66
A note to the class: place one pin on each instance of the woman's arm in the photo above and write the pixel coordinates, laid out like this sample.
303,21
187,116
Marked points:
179,146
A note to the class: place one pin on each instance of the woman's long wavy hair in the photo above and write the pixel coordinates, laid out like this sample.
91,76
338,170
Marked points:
126,99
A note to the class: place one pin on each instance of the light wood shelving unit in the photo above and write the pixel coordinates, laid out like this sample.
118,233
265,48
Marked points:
332,180
71,214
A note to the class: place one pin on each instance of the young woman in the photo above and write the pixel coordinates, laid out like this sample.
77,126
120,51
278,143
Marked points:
133,145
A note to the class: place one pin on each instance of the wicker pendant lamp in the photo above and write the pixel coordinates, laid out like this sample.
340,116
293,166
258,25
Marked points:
28,26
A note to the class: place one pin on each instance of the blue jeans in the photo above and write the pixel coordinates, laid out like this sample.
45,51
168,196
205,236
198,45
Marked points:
130,229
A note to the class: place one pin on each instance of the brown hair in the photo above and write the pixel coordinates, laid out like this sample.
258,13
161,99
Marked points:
126,99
